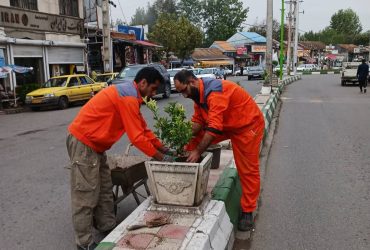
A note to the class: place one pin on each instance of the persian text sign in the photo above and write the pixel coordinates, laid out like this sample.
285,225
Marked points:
258,48
33,20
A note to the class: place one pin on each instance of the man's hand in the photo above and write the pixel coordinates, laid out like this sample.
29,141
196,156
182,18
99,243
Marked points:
168,158
194,156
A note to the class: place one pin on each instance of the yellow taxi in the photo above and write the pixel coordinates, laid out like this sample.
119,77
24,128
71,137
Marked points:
61,90
106,77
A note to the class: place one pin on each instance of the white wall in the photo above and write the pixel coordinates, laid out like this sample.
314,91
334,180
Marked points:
5,2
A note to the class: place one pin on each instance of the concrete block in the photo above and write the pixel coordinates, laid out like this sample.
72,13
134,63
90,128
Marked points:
165,244
199,241
176,232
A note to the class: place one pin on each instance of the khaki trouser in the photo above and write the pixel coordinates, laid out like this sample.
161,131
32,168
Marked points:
91,191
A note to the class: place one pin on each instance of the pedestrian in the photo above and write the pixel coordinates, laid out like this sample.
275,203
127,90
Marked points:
223,110
241,70
100,123
362,75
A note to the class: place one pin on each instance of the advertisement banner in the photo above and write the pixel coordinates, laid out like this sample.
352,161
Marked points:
137,31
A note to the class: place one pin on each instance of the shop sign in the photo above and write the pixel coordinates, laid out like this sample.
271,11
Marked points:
2,58
32,20
259,48
241,51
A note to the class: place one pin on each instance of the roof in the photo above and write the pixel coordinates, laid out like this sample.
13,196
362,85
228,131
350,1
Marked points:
223,46
349,47
313,45
209,54
146,43
255,37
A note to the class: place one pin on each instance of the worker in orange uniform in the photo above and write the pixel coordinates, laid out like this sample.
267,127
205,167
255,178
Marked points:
100,123
224,110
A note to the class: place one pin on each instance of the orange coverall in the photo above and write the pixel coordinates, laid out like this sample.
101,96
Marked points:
112,112
227,111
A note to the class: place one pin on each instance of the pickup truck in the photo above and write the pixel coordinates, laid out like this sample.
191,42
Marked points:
349,73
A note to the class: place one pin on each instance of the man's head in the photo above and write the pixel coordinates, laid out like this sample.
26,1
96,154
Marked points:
148,80
363,61
187,84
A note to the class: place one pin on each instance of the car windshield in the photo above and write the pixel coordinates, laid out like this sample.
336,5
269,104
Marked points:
255,69
129,72
55,82
206,71
102,78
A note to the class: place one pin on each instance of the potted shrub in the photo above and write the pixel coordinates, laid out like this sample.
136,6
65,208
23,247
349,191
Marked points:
180,182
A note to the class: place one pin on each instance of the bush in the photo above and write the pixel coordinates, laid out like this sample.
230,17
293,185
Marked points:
24,89
174,131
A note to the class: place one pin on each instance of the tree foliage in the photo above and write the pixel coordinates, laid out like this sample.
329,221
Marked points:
176,34
192,9
345,27
222,18
260,28
346,22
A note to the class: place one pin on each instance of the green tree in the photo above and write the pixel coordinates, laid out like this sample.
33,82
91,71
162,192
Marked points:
346,22
192,9
140,17
260,28
222,19
363,38
177,35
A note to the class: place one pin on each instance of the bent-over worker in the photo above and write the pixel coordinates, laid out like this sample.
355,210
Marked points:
224,110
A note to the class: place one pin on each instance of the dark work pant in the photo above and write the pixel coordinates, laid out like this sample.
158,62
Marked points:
363,84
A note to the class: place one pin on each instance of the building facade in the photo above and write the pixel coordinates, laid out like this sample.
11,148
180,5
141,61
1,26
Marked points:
46,35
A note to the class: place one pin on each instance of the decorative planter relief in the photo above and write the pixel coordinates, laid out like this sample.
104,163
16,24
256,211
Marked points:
179,183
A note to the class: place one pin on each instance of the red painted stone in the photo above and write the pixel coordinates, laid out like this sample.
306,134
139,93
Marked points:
151,215
135,241
173,232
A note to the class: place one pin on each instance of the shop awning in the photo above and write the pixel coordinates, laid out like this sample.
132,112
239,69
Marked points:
147,44
216,63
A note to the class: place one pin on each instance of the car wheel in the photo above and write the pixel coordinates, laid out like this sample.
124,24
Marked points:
343,83
167,91
249,77
63,102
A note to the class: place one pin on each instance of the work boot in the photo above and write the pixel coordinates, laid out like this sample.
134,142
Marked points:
364,90
246,222
91,246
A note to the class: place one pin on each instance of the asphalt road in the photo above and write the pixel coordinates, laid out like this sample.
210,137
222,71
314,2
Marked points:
316,191
35,197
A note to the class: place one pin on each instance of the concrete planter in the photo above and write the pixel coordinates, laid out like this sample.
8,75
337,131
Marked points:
216,152
179,183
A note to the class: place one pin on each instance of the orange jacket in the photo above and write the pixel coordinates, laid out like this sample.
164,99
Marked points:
107,116
225,107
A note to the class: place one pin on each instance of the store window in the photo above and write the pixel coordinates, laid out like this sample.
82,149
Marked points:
68,7
24,4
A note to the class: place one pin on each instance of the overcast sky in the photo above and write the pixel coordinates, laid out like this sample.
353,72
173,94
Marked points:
316,15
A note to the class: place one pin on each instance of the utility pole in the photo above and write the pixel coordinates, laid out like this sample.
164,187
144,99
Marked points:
289,52
282,29
266,89
107,49
296,29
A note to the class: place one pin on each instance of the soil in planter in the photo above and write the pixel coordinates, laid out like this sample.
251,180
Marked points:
183,159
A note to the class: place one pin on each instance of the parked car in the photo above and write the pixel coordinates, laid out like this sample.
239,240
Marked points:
278,68
172,73
349,73
203,73
306,67
228,71
129,73
255,72
105,77
237,72
60,91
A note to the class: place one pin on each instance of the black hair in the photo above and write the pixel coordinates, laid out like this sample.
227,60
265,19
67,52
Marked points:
184,76
363,61
150,74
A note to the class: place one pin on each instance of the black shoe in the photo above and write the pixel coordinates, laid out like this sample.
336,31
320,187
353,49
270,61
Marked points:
364,90
246,222
92,246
